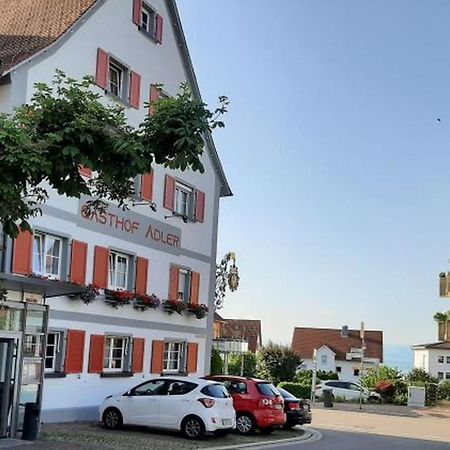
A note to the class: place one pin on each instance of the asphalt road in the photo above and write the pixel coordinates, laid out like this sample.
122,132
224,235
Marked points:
338,440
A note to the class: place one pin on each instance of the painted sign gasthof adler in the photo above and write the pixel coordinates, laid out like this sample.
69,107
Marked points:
130,226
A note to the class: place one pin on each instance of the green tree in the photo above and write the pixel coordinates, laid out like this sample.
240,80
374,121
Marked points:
66,125
383,373
277,362
216,362
235,364
420,376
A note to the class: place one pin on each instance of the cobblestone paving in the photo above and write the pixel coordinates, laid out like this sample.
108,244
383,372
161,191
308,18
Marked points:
89,436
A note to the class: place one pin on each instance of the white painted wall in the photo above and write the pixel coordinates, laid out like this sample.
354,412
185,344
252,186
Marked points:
432,366
5,94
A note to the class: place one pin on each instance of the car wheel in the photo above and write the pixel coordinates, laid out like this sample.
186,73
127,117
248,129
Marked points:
374,399
112,419
193,427
221,433
245,424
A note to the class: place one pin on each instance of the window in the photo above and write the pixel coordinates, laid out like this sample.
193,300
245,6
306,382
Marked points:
180,387
235,387
174,356
324,359
115,79
356,372
183,199
447,375
154,387
47,252
353,387
448,360
118,270
116,349
183,285
51,351
148,20
215,390
338,369
440,359
440,376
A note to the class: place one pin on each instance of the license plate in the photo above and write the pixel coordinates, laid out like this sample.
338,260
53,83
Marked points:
226,422
278,406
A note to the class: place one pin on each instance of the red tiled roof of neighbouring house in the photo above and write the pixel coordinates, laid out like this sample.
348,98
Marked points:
29,26
248,329
305,340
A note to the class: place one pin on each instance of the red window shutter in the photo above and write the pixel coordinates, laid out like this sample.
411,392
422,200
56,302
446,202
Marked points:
157,357
159,29
138,354
192,357
169,193
101,77
135,90
85,171
141,275
101,262
173,283
96,353
147,186
22,256
137,12
200,206
78,262
195,287
74,351
155,95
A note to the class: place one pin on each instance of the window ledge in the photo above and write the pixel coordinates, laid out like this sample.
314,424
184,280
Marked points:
55,375
116,374
120,100
150,36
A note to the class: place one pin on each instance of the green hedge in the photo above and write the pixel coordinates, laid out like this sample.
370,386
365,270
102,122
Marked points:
298,389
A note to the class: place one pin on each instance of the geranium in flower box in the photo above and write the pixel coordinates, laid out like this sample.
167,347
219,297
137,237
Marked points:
199,310
144,302
172,306
118,297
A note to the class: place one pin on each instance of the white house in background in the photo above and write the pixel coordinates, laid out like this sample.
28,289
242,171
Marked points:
338,350
91,351
433,358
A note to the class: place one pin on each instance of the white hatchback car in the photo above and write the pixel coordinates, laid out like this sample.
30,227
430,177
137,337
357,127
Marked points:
191,405
347,390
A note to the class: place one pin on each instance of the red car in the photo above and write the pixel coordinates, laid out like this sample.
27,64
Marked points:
258,403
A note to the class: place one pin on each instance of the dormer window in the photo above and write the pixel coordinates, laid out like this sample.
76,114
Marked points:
148,21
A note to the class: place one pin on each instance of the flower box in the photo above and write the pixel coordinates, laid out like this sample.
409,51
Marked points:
118,297
198,310
171,306
144,302
87,295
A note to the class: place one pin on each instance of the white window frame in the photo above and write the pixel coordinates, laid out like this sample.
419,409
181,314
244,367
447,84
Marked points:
55,346
116,67
440,376
441,359
112,272
323,360
183,208
151,19
184,287
171,355
110,346
42,255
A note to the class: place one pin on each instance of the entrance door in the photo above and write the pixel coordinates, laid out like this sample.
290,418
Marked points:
7,382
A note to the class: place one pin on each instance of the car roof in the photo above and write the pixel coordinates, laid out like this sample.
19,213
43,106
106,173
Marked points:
237,378
200,381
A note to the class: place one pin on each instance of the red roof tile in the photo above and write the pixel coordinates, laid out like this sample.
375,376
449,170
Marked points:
305,340
28,26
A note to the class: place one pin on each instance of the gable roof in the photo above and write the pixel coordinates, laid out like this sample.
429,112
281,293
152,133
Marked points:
305,340
248,329
444,345
27,27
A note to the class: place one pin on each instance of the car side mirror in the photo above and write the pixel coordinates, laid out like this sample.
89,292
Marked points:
129,393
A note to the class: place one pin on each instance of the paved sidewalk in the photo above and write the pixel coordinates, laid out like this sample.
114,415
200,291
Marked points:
429,423
91,436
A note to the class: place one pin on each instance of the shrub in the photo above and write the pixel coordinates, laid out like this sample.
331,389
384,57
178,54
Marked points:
386,389
373,376
235,364
216,362
444,390
306,375
400,399
298,389
420,375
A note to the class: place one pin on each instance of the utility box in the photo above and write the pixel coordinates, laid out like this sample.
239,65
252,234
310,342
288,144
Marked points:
416,397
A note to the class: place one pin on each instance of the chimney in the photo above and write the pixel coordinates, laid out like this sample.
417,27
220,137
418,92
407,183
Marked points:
344,331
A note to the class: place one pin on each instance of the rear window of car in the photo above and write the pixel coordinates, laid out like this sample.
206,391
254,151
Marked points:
267,389
286,394
215,390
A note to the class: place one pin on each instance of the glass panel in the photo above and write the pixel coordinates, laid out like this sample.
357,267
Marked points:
37,254
11,319
31,371
35,321
52,255
33,346
29,393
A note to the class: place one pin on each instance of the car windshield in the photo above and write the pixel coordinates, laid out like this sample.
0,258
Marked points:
267,389
286,394
216,391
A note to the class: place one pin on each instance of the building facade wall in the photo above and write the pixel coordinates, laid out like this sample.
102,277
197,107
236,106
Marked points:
435,361
109,27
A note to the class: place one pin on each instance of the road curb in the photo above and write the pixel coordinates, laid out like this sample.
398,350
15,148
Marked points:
310,435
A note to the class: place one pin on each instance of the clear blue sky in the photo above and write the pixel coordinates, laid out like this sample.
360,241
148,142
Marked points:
341,172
